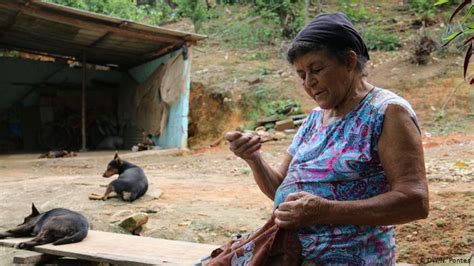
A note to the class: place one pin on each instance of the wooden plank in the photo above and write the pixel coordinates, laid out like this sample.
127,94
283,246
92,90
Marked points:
31,257
124,249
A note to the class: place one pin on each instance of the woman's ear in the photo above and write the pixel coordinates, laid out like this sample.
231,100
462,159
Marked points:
351,62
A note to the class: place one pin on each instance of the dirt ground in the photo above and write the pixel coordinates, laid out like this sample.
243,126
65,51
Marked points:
207,195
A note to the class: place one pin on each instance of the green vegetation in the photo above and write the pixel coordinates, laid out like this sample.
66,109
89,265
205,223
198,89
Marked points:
250,27
422,7
264,101
377,38
243,29
355,10
126,9
464,33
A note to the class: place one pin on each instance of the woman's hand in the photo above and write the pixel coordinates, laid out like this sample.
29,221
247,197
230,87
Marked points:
244,145
301,209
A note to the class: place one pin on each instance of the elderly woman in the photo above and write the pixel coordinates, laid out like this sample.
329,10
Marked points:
355,168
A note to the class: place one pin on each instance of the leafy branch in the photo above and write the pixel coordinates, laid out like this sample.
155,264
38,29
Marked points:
467,30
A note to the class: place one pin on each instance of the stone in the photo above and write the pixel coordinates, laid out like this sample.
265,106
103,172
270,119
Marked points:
284,124
133,222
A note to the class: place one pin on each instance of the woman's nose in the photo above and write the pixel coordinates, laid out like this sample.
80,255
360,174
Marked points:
309,81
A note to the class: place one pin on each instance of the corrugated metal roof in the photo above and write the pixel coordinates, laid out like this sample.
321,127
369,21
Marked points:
58,30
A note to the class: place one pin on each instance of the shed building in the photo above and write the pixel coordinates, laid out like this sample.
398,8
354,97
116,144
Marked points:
72,79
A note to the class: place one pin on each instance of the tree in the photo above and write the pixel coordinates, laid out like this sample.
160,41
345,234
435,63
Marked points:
466,32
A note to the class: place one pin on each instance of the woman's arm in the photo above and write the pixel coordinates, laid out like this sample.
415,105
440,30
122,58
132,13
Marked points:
247,147
401,154
267,178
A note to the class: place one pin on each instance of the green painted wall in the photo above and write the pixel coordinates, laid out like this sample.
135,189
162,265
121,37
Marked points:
175,134
16,70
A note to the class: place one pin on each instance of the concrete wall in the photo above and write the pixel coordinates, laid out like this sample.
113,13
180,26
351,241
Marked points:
175,134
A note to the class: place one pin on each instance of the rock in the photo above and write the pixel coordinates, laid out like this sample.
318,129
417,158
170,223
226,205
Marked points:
279,135
289,131
255,81
120,215
133,222
284,124
265,120
260,129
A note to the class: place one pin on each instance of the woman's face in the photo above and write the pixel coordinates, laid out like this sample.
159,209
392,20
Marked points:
325,79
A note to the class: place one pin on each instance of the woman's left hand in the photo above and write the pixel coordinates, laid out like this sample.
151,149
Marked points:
301,209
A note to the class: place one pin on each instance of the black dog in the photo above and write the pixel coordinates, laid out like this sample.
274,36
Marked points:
58,226
58,154
130,185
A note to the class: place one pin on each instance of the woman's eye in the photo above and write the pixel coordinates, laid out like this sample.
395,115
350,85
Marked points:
316,70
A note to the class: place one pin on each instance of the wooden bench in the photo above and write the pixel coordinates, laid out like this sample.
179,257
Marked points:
123,249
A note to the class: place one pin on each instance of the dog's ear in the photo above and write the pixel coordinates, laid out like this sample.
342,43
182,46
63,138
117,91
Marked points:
34,211
116,156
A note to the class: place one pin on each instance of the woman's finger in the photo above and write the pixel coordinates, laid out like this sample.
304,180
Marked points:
285,206
295,196
253,149
284,224
283,215
254,141
232,135
236,145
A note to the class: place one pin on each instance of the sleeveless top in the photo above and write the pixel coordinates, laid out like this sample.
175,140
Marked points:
340,161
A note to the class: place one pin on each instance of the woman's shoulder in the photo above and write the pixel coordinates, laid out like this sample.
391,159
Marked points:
314,113
383,98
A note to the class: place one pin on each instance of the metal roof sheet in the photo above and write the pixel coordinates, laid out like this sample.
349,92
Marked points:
58,30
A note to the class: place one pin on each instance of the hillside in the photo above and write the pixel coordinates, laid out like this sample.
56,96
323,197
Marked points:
240,79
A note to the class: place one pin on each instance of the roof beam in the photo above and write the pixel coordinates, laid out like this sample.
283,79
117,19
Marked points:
123,24
9,24
39,11
60,58
99,40
156,54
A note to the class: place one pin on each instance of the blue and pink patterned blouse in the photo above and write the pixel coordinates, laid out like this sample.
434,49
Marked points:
340,161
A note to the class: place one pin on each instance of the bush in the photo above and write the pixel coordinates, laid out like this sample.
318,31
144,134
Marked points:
355,10
377,38
421,48
422,7
244,29
289,14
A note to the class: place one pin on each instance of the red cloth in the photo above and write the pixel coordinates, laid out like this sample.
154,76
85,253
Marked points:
269,245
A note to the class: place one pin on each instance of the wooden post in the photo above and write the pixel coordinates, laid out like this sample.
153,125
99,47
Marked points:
83,105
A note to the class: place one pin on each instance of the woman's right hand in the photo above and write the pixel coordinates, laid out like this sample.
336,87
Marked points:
244,145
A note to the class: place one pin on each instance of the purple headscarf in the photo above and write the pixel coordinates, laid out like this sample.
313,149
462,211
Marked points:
333,29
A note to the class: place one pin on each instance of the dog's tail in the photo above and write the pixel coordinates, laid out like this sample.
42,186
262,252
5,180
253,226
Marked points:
78,236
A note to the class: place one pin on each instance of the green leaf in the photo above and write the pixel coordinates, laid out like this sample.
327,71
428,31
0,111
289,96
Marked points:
459,8
452,37
469,13
441,2
470,25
